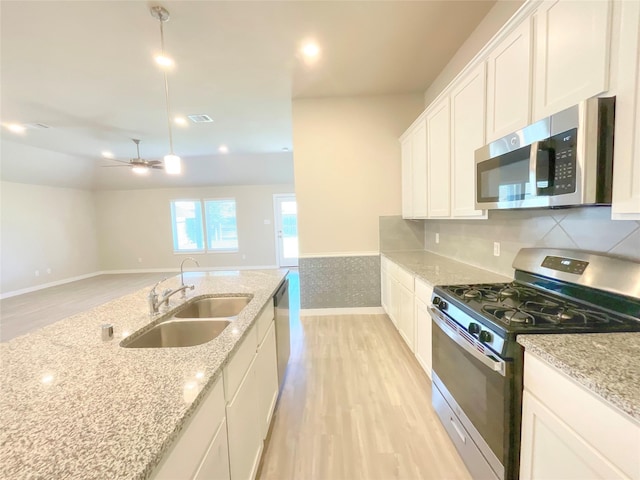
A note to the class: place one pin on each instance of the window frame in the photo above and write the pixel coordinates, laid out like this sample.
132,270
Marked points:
203,226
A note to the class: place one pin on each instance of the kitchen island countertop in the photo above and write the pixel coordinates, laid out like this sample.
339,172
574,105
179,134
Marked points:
73,406
607,364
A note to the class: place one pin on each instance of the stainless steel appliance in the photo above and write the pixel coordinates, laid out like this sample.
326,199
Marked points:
283,340
562,160
477,363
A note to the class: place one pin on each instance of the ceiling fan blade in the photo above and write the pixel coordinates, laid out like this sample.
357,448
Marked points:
107,166
157,167
154,162
121,161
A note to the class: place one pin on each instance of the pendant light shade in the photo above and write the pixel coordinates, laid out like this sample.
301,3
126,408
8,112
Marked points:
172,164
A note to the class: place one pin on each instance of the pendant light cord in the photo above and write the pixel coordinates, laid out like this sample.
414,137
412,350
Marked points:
166,90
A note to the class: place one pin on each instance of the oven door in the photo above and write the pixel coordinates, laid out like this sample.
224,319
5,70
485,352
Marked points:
477,388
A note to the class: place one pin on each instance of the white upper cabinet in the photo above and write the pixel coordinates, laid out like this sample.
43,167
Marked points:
439,159
414,171
467,135
407,201
419,169
571,54
626,165
509,83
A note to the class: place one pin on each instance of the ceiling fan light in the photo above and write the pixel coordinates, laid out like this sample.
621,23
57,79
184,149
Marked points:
172,164
140,170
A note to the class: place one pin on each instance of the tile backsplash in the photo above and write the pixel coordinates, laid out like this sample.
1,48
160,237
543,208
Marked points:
472,241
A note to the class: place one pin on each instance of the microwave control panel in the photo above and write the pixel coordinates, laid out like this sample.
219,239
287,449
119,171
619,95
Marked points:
564,170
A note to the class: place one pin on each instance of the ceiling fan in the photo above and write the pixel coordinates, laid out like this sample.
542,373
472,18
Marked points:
138,165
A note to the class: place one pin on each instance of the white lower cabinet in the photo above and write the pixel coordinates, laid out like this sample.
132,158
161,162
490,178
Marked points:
405,315
215,465
202,443
570,433
266,371
244,429
407,300
423,293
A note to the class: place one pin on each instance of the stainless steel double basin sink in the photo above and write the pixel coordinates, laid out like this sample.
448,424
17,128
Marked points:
198,321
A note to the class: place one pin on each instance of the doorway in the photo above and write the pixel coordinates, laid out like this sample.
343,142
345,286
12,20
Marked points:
286,218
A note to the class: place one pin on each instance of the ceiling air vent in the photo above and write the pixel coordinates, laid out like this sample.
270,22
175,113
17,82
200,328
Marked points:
200,118
37,126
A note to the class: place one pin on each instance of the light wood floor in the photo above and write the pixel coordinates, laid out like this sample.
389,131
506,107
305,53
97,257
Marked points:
28,312
356,405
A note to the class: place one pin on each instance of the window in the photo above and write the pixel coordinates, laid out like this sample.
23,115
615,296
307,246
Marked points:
186,220
222,231
219,225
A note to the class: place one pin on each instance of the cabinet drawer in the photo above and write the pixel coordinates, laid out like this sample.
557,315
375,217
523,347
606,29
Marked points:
423,291
237,367
188,451
405,278
264,320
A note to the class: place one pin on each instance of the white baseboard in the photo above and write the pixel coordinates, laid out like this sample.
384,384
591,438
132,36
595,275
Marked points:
309,312
35,288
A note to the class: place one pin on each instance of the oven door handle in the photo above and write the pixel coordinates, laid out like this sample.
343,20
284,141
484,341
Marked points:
497,366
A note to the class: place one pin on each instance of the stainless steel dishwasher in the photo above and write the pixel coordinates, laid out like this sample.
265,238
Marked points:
283,341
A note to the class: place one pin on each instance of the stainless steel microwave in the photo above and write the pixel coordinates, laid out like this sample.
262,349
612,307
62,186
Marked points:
562,160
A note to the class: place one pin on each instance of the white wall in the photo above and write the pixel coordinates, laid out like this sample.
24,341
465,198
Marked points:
135,224
501,12
44,228
347,168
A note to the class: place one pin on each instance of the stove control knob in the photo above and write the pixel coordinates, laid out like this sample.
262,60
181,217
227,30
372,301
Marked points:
473,328
485,336
438,302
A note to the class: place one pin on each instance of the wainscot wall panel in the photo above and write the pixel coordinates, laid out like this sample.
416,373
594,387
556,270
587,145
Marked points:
340,282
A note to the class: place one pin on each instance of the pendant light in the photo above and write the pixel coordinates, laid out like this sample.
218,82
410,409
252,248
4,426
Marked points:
172,163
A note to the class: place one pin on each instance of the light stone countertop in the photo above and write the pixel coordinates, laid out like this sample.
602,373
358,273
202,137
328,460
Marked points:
607,364
438,270
73,406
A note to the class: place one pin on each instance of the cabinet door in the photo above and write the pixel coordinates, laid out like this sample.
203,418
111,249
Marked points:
405,316
467,135
438,159
423,326
509,83
385,285
419,170
551,449
243,428
572,53
266,366
215,465
625,204
406,153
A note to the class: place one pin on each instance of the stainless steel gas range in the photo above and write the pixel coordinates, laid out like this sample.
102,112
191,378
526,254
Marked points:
477,363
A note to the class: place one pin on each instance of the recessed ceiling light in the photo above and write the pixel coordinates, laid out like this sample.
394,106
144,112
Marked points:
15,127
180,121
107,154
311,50
164,61
223,149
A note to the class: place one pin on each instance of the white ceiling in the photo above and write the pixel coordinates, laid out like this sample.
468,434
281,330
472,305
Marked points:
86,69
